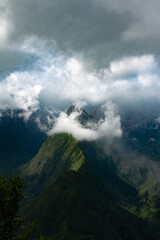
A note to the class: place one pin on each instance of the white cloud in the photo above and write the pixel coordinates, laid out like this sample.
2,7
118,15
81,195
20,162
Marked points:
18,91
109,127
132,65
54,81
69,124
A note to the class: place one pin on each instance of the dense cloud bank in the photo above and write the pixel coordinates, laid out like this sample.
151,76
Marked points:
57,81
59,53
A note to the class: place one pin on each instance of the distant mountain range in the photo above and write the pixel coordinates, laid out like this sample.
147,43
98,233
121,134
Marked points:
19,141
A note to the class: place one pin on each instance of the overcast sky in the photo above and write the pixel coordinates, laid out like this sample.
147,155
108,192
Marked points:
98,30
58,52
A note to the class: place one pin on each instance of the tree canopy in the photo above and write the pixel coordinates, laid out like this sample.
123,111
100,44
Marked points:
12,224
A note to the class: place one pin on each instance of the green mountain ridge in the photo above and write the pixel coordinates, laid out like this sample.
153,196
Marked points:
77,194
58,154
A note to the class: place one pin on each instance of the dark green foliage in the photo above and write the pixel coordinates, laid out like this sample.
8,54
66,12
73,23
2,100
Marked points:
12,225
11,193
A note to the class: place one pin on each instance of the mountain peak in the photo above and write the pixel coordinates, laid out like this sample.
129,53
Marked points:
58,154
83,117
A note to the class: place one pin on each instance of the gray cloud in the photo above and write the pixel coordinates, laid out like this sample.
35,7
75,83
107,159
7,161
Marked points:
100,31
144,14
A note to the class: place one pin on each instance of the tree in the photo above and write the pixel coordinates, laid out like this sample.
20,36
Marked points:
11,223
11,193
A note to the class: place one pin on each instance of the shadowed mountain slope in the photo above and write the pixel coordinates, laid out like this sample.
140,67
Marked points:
19,141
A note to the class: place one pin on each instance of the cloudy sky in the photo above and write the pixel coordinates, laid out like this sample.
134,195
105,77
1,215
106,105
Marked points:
57,53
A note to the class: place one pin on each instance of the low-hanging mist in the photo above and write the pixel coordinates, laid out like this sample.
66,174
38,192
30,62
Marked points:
109,127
